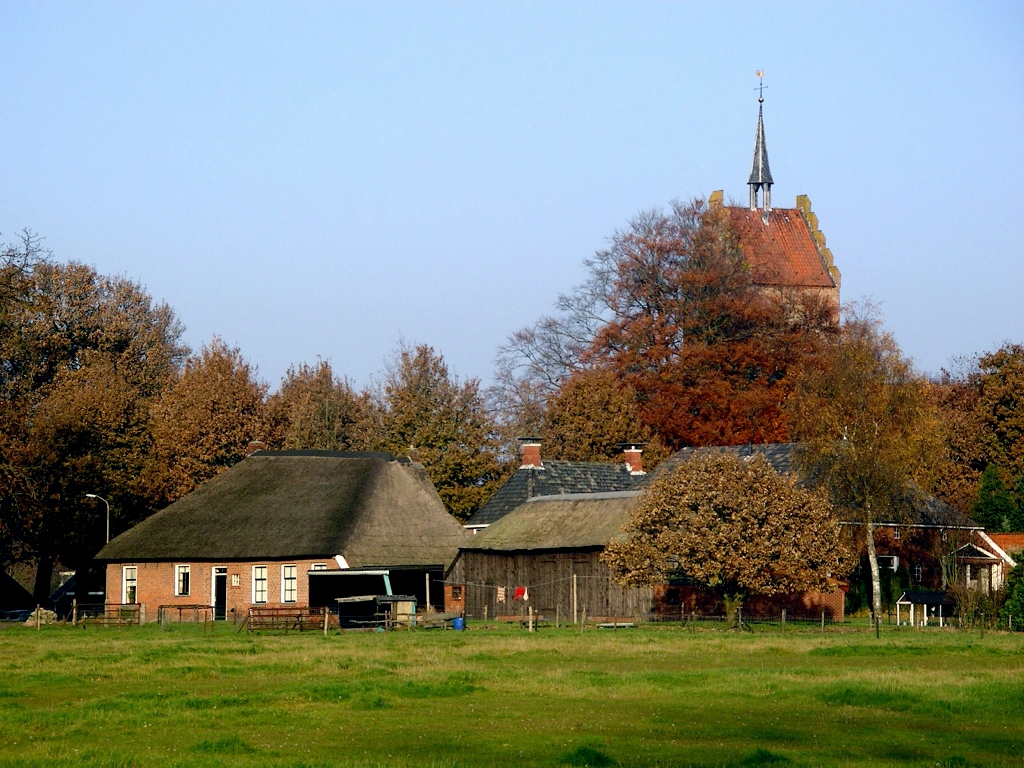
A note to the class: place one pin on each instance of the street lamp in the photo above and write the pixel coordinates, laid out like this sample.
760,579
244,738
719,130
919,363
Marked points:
94,496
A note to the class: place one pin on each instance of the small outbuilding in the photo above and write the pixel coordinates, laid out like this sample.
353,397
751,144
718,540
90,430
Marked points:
916,608
545,555
257,535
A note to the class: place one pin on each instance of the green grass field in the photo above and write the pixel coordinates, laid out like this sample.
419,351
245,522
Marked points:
649,696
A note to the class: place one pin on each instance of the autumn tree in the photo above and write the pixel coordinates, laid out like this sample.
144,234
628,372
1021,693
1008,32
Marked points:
734,525
81,356
671,308
965,433
1001,405
203,422
870,435
314,409
426,413
592,415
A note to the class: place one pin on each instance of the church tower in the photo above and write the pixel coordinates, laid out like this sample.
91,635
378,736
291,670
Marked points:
760,174
783,247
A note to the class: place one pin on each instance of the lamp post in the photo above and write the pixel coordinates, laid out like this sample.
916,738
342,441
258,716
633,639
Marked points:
94,496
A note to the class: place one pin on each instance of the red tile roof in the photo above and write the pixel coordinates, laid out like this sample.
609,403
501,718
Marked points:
782,250
1009,542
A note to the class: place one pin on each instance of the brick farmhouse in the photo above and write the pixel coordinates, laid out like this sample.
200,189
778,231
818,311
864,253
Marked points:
257,534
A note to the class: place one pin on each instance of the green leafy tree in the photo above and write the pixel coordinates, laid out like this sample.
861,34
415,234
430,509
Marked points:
1014,605
734,525
871,435
1001,405
995,508
314,409
426,413
1017,512
203,422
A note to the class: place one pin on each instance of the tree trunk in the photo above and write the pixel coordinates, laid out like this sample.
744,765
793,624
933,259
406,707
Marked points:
876,581
732,605
44,575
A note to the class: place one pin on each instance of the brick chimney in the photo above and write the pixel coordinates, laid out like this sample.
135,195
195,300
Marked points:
255,445
632,454
531,453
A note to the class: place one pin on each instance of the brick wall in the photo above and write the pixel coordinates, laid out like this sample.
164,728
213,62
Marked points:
156,584
454,598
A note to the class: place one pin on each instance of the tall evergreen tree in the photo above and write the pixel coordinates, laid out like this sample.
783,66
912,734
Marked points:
994,507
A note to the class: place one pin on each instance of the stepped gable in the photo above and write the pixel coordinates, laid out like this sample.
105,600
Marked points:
780,248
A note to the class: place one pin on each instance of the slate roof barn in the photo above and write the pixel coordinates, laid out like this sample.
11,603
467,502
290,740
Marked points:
554,477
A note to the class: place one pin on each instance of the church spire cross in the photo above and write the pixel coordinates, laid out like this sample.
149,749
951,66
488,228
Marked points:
760,173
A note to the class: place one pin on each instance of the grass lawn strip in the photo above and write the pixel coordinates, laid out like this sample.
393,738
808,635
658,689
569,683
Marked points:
650,696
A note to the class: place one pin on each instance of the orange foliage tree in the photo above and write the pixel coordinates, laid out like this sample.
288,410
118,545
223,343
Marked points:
734,525
672,310
203,422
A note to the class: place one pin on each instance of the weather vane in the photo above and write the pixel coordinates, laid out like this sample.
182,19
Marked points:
760,85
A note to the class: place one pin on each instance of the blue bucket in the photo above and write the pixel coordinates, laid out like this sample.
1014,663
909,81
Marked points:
458,624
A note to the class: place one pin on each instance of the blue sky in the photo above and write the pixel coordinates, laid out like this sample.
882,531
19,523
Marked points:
324,179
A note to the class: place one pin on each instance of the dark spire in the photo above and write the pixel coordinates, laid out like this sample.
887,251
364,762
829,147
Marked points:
760,173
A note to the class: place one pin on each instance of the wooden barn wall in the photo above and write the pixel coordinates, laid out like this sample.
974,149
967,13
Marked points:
548,578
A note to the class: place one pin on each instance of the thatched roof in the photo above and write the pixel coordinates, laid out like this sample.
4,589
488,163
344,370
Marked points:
553,478
568,521
369,507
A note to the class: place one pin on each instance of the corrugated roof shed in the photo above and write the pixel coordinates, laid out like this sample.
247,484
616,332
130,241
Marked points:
371,508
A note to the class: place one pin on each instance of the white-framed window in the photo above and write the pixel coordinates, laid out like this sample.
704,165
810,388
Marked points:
319,567
236,580
129,584
259,583
289,584
182,580
917,572
896,534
